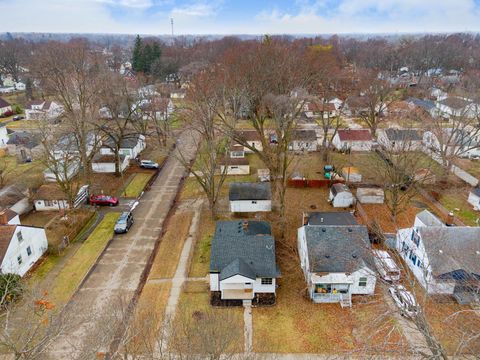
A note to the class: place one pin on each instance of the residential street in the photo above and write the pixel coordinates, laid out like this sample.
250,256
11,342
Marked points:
113,282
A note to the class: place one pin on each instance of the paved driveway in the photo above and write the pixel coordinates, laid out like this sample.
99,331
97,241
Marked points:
117,274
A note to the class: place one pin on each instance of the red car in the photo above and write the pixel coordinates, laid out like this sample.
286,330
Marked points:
103,200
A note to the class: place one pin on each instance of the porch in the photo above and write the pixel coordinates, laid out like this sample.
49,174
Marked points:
332,293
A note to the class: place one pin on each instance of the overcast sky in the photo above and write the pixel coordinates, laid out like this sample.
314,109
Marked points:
239,16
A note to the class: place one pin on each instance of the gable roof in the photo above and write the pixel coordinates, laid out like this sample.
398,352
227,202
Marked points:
452,248
128,142
337,248
249,191
23,138
249,135
10,214
233,161
355,135
424,104
304,135
49,192
320,107
6,234
476,191
403,135
331,218
246,249
339,188
4,103
455,103
358,102
107,159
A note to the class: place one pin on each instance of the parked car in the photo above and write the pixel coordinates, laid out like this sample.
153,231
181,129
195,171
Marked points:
18,117
404,300
124,223
103,200
386,266
148,164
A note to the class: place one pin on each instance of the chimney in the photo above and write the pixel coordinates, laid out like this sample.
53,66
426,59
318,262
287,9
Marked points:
306,218
321,220
450,219
245,225
3,218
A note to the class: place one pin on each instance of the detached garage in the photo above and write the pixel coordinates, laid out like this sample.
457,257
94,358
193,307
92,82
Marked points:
341,196
370,195
250,197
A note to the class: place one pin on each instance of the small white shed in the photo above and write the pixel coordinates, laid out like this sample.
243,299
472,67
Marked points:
474,198
351,174
250,197
341,196
370,195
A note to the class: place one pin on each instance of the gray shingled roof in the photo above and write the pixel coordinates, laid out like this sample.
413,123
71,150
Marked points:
452,248
249,191
403,135
339,188
338,248
249,252
331,218
304,135
476,191
425,104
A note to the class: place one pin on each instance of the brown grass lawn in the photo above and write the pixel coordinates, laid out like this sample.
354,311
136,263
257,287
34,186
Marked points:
149,316
295,324
451,323
194,307
455,199
38,218
171,245
70,226
472,166
30,174
200,262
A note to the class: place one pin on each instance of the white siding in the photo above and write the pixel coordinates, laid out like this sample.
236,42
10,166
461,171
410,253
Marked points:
35,238
343,199
214,284
250,205
53,205
474,200
236,169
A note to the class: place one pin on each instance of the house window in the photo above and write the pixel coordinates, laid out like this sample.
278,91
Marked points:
29,251
19,259
419,263
413,257
362,282
237,154
19,236
267,281
48,202
415,238
233,167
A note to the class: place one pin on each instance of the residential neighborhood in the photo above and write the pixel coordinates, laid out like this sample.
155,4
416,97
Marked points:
242,196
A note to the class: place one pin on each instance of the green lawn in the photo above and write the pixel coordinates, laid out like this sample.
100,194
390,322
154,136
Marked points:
77,266
457,200
137,184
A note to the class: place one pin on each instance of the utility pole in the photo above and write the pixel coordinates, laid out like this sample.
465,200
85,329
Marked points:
171,23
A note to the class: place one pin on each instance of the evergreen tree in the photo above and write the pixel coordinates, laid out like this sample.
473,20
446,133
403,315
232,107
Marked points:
137,58
147,58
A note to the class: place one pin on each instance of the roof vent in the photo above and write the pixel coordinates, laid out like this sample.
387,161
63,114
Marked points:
440,251
350,230
269,247
354,256
324,230
327,256
477,252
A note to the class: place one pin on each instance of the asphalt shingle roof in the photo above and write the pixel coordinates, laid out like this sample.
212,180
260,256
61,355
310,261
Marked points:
338,248
245,251
403,135
4,103
451,249
331,218
250,191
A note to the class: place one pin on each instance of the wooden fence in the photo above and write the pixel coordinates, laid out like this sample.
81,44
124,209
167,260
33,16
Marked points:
315,183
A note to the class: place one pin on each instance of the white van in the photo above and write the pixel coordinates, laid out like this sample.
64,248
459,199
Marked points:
387,268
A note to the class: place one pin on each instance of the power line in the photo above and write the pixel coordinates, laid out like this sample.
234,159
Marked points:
171,22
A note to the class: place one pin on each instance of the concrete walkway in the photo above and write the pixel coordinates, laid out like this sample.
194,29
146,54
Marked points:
248,328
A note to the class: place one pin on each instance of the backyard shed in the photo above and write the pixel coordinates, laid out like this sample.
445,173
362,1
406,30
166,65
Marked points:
474,198
370,195
340,196
250,197
351,174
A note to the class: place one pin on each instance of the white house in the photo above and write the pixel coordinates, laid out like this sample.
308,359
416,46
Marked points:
457,142
63,169
354,140
21,246
69,145
457,107
474,198
43,110
444,259
400,139
3,136
157,108
341,196
250,197
49,197
243,264
178,94
320,110
427,106
303,140
235,163
130,146
335,258
106,163
15,197
252,138
4,107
